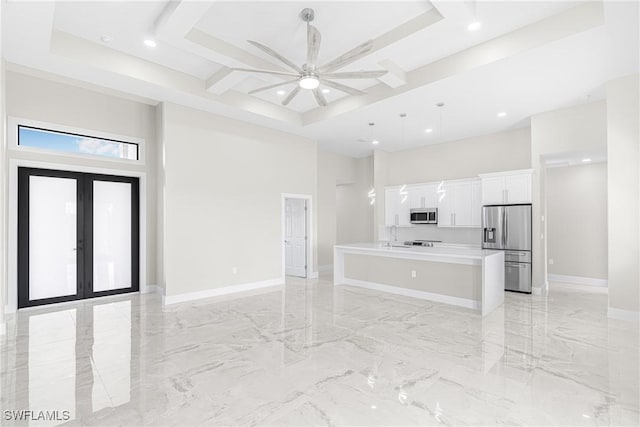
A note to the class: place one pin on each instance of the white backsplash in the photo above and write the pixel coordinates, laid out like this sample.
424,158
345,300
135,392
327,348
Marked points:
469,236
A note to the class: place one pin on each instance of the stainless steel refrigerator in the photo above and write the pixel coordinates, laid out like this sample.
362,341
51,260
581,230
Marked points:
508,228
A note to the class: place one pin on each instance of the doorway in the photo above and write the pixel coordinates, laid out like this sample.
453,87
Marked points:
78,236
295,236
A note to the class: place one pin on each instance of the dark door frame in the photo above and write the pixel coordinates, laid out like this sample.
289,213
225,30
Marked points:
84,243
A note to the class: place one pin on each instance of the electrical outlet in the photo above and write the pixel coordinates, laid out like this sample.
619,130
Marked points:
413,274
234,270
550,261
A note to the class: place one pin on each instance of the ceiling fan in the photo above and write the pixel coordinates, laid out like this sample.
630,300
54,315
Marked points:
310,75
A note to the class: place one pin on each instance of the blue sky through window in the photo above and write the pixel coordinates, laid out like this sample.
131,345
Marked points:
49,140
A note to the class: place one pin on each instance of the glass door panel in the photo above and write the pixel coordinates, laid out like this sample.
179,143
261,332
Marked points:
111,235
52,237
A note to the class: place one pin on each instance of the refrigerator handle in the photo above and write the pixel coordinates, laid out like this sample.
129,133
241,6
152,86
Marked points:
504,228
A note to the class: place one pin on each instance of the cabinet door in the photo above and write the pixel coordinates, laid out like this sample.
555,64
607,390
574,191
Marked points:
417,197
430,196
445,205
476,203
518,188
403,211
462,204
391,201
493,190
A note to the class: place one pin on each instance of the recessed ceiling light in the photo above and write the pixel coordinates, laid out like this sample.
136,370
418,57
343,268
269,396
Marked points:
428,130
325,91
474,25
150,43
281,92
375,142
502,114
106,38
586,160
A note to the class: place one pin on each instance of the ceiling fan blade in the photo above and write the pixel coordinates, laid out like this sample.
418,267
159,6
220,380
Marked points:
277,73
275,54
347,58
356,75
343,88
272,86
313,45
320,99
291,95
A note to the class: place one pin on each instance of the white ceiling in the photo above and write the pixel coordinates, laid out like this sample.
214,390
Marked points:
528,57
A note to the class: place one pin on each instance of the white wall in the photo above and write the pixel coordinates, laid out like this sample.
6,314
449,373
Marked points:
623,152
461,159
344,215
223,186
577,220
578,129
354,214
35,98
3,188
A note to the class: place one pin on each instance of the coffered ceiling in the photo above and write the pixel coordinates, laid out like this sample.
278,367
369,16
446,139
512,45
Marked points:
527,57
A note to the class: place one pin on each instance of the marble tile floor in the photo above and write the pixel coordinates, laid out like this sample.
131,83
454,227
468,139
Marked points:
308,353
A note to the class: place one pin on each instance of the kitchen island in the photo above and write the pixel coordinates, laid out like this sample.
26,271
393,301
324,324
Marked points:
463,276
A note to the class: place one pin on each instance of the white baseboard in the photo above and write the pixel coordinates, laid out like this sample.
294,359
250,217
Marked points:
313,275
446,299
628,315
9,309
191,296
326,267
3,329
536,291
578,280
151,289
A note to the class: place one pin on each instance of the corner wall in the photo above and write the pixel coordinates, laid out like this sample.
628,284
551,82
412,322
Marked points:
344,213
623,151
223,185
577,221
582,128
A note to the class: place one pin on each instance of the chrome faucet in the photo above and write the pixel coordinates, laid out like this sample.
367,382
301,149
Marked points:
393,236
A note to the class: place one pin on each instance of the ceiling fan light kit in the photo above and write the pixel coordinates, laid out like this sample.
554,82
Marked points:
309,76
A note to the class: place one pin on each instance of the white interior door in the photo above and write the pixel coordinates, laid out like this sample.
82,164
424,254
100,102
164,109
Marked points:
295,239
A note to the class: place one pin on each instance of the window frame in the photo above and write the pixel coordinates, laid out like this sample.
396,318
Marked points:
15,123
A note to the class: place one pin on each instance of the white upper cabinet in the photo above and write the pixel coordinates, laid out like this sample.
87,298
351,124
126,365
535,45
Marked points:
423,196
460,205
396,207
506,188
476,203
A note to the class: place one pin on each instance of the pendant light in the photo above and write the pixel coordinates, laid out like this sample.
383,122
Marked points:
404,195
372,192
442,192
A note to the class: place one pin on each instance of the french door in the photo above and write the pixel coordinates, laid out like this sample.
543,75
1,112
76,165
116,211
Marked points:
78,236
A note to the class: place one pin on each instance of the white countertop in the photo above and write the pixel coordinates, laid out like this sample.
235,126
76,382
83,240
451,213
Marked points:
440,250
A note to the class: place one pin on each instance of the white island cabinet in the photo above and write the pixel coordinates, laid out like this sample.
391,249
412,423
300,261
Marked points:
462,276
506,188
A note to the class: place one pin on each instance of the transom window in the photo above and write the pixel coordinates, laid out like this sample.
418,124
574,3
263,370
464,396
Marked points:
49,140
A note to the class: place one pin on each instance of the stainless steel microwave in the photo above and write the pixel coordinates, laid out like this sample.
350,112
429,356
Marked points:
424,216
